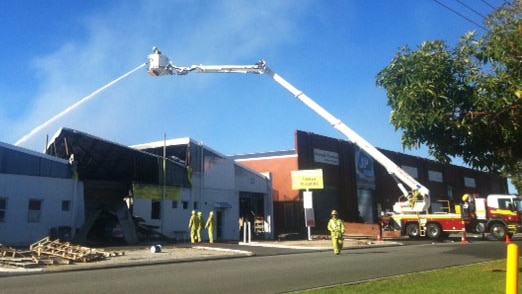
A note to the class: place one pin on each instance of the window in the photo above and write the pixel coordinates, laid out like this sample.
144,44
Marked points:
3,209
435,176
195,205
412,171
505,204
35,210
450,192
66,205
185,204
174,204
469,182
155,212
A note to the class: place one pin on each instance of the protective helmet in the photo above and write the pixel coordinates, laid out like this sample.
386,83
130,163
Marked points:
211,213
200,213
465,197
193,212
334,212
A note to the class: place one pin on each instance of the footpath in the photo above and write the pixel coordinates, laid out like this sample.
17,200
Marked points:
150,254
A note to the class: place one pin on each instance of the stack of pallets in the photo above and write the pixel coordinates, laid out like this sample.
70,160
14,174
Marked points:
49,252
47,247
13,257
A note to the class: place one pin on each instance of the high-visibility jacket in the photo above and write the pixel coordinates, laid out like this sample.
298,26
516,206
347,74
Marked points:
211,222
336,228
194,223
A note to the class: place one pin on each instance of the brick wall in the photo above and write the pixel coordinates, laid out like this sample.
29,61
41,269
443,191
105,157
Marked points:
368,230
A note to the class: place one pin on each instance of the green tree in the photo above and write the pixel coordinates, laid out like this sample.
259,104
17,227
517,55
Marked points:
465,101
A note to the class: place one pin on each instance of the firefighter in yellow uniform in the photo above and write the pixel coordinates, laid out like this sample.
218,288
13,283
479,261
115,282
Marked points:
468,207
193,226
210,225
200,225
336,228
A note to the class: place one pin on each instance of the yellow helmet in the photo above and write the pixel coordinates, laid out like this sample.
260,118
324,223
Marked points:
465,197
334,212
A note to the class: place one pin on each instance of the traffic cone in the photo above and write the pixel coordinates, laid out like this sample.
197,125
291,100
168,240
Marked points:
508,239
464,240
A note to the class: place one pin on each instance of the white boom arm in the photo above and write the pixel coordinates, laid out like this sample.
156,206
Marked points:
417,200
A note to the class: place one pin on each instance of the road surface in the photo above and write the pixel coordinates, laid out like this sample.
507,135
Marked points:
261,274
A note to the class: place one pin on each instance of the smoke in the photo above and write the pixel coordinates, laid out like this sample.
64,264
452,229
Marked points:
141,108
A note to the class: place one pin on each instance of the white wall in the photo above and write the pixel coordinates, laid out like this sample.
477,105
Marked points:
221,183
18,189
219,173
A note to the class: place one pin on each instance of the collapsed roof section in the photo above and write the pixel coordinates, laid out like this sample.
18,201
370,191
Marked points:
99,159
175,149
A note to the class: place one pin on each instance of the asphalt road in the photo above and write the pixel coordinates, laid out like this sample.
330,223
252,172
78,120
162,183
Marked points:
262,274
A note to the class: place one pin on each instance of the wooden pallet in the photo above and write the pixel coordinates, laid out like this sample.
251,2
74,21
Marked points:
13,253
76,253
52,252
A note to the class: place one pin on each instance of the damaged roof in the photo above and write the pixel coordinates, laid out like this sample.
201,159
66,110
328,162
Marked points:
99,159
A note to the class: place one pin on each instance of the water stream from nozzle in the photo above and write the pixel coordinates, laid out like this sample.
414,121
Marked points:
75,105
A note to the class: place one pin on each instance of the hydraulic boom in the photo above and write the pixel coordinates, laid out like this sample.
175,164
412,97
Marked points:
416,200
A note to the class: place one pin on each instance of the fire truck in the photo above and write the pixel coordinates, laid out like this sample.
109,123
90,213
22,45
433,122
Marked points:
410,214
498,215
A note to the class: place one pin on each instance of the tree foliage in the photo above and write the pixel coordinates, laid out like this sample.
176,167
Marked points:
464,101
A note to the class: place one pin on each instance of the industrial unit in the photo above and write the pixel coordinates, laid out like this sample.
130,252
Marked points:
217,183
354,184
86,189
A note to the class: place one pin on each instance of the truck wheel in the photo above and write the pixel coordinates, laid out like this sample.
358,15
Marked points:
412,230
434,231
479,228
498,231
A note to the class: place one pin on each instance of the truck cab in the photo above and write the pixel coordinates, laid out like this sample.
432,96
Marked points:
497,214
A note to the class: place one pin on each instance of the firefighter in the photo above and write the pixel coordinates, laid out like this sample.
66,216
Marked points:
468,207
468,203
336,228
193,226
210,225
200,225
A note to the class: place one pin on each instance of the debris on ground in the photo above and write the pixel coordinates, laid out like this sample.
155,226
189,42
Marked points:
51,252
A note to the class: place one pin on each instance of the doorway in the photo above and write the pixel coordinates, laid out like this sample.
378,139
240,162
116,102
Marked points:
252,209
219,225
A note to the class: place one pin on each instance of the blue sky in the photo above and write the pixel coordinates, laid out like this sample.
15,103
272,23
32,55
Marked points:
55,53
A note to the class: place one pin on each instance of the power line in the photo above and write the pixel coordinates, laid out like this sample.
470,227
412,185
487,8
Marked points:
461,15
470,8
487,3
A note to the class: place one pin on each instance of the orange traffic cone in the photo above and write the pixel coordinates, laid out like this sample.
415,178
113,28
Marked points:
464,240
508,239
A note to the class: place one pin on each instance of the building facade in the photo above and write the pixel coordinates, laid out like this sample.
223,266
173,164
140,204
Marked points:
354,184
157,185
39,197
229,189
92,191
